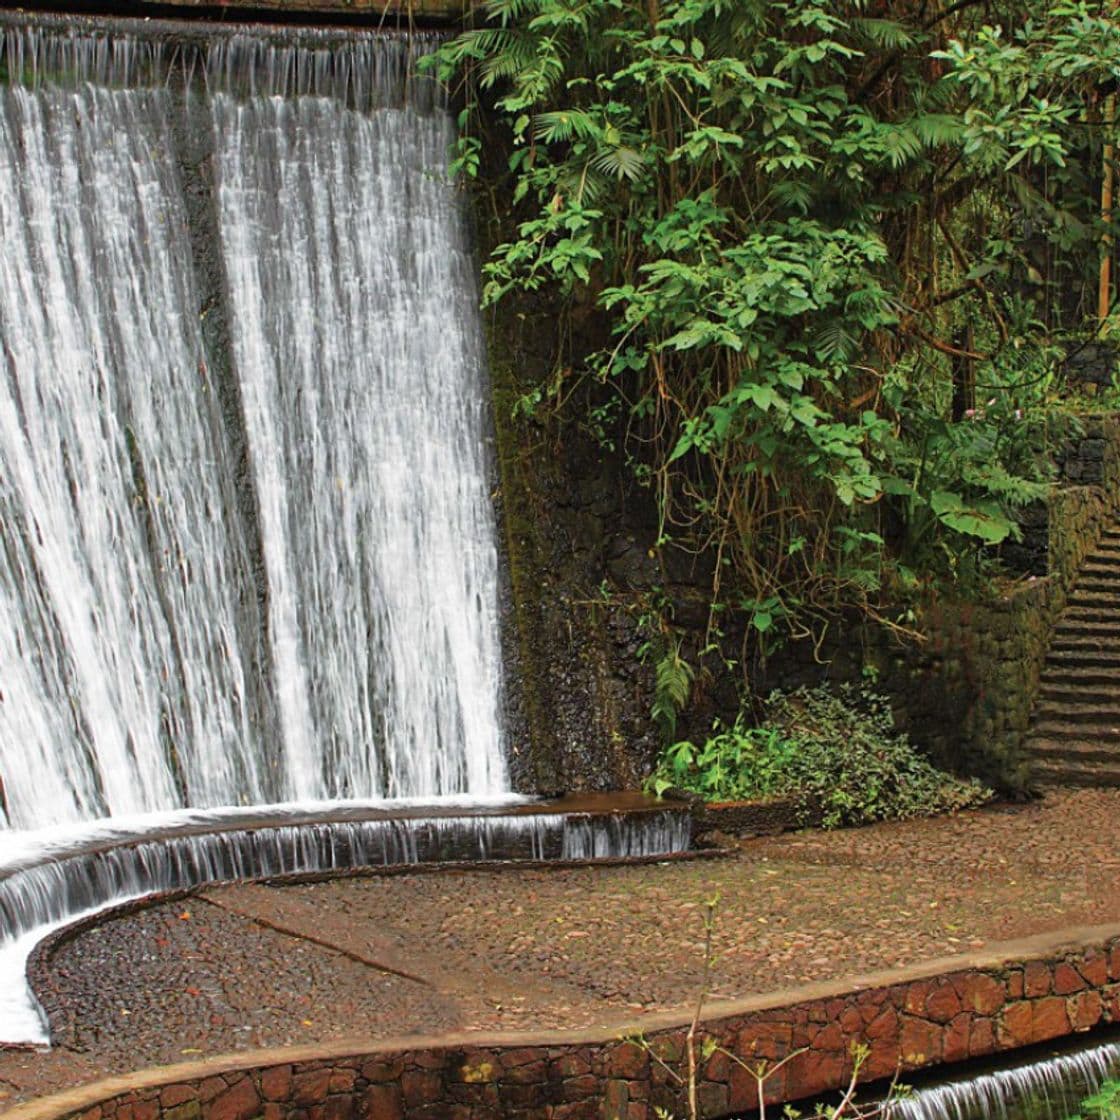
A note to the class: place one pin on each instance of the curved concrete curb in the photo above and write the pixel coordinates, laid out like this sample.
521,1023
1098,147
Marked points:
1010,995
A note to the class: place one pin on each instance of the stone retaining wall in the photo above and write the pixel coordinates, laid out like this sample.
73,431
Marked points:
965,693
947,1011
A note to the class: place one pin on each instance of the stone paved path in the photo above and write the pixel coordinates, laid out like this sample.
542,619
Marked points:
251,966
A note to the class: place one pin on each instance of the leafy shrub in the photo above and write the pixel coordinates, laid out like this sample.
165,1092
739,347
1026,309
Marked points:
838,751
1104,1104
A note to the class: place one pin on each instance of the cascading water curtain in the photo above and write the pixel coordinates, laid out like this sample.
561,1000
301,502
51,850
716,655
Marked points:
354,315
132,677
121,670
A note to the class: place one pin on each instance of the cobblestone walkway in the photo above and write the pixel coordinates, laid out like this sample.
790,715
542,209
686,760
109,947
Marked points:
252,966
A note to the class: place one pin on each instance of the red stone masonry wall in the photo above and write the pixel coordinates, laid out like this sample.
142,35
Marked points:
947,1011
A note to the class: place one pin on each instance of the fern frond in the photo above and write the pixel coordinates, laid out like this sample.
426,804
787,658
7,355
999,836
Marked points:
564,124
620,162
886,33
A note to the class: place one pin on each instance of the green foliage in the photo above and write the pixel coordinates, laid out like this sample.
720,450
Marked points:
1104,1104
735,763
839,751
672,686
822,243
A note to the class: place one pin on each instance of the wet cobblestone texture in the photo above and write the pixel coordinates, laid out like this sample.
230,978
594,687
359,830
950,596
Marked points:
600,948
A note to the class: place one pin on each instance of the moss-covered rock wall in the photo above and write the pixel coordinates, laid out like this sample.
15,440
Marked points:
964,692
588,584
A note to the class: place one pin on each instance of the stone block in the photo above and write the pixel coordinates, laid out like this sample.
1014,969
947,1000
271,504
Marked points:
1067,980
210,1088
520,1056
810,1074
713,1100
384,1102
1085,1010
884,1025
626,1060
765,1040
380,1070
881,1061
955,1041
579,1088
1015,984
1093,967
524,1097
342,1080
1050,1019
171,1095
276,1083
915,999
979,992
1036,979
718,1068
576,1110
188,1110
920,1042
830,1037
942,1003
420,1087
311,1087
573,1064
1015,1024
1114,961
616,1100
531,1073
333,1108
239,1102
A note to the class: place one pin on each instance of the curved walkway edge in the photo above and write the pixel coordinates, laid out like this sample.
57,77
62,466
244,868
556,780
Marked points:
1010,995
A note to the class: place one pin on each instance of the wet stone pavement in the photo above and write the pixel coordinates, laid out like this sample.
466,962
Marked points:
389,955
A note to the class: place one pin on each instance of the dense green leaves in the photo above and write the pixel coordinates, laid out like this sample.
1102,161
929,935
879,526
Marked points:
817,235
838,752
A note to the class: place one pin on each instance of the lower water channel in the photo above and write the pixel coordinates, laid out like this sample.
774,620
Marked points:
1050,1082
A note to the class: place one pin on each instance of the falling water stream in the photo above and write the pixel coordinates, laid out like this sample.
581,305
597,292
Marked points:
139,674
1048,1088
247,543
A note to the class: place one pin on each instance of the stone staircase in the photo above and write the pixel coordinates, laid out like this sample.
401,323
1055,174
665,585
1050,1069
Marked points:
1074,738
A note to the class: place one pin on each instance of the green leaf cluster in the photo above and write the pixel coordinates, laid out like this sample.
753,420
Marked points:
837,752
823,241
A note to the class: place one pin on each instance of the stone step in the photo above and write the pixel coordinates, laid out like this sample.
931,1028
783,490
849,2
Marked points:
1060,773
1095,585
1090,658
1089,676
1094,713
1105,565
1083,731
1073,642
1102,605
1086,596
1102,624
1080,751
1085,695
1089,614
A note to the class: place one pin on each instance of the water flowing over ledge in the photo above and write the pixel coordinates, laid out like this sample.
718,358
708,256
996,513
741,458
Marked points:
64,879
1044,1089
256,563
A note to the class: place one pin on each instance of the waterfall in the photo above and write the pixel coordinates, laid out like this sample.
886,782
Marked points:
1044,1089
161,648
